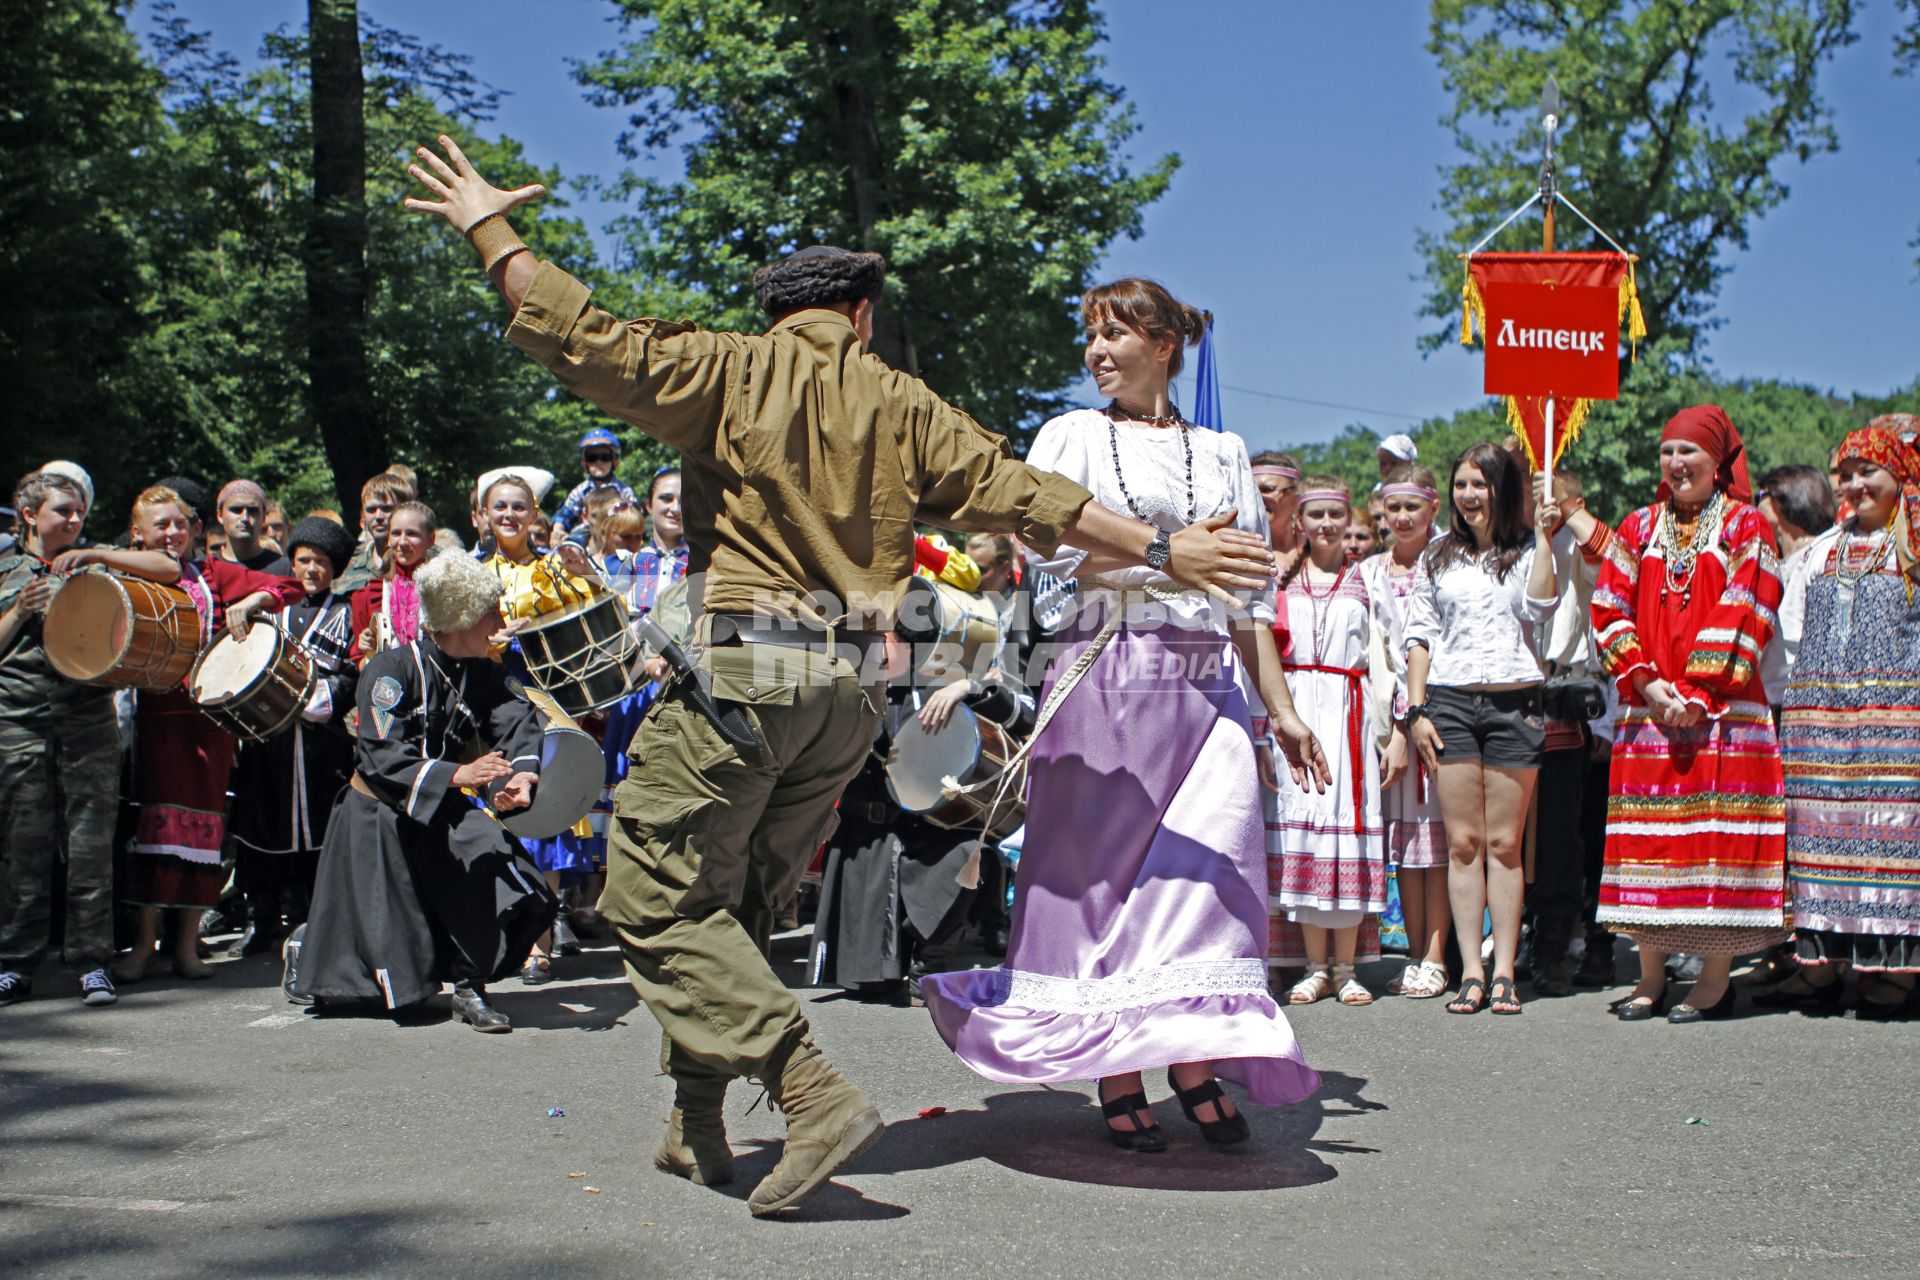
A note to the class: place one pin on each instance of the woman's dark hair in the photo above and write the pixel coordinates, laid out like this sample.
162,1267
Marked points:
653,484
1801,496
1506,520
1146,307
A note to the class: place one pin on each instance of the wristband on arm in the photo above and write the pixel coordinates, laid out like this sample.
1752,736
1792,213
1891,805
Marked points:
495,240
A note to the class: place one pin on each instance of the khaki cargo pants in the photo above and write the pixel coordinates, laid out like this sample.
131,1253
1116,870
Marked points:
709,839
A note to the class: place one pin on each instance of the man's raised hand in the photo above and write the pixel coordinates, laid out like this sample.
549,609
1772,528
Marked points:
465,196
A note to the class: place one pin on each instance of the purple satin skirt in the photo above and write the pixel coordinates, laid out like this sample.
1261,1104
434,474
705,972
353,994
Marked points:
1140,927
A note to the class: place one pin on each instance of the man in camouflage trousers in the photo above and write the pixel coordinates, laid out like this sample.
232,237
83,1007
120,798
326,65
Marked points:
60,784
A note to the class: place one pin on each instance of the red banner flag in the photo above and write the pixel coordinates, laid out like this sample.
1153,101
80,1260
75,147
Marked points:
1551,322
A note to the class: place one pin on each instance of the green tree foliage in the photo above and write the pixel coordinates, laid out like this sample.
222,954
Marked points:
1653,153
174,192
79,114
973,142
450,398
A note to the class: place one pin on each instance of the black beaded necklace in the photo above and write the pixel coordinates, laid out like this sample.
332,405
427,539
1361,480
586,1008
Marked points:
1186,443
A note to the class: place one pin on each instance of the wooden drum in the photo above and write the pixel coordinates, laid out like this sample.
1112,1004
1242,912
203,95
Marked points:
583,654
122,632
254,687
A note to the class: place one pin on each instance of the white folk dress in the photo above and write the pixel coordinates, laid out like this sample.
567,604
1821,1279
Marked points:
1326,860
1416,838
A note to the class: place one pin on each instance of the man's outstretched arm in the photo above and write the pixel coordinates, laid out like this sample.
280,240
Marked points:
477,210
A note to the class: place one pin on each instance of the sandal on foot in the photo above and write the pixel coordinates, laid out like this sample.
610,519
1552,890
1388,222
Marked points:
1228,1130
1316,986
1408,976
1142,1137
1429,982
1471,998
1506,998
1347,988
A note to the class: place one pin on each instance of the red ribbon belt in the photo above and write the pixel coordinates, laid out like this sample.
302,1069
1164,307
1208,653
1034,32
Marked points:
1356,732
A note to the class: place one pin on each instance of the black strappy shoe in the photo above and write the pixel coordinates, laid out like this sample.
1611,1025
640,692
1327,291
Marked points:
1230,1130
1141,1137
1470,999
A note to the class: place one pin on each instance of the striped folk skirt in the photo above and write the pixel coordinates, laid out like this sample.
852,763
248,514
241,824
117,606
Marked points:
1696,834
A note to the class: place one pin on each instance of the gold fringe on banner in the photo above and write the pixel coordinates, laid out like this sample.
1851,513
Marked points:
1472,307
1629,312
1568,418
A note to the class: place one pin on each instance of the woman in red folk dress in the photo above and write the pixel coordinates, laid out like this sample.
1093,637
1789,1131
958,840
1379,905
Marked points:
1696,815
182,759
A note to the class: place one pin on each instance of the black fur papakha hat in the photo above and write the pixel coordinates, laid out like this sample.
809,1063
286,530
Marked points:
820,276
328,537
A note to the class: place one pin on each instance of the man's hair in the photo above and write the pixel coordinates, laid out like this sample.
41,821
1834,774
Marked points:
386,487
37,486
1801,496
821,276
456,592
1274,458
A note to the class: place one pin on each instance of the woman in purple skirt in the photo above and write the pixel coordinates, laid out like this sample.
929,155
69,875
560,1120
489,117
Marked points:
1139,936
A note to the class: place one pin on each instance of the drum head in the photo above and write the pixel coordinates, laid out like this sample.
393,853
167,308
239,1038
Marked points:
230,667
921,759
572,771
87,626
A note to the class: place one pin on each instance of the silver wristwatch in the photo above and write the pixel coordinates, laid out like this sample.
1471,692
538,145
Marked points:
1159,551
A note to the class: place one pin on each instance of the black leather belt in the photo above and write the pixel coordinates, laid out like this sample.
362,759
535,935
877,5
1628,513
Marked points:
751,628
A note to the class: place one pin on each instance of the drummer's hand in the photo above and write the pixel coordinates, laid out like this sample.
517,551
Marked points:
36,597
517,794
657,669
239,619
478,773
369,642
76,559
1304,757
938,709
574,559
1211,555
503,637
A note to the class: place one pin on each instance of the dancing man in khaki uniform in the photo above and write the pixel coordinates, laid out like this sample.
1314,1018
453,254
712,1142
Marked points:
806,462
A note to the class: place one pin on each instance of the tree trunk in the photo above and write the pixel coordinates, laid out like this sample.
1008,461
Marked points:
865,171
336,254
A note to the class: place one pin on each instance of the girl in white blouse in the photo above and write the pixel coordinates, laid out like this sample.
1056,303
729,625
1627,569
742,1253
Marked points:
1473,685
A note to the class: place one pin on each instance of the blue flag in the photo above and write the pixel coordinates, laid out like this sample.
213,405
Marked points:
1206,395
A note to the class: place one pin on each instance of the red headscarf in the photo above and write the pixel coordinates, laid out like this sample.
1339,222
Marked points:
1883,447
1708,426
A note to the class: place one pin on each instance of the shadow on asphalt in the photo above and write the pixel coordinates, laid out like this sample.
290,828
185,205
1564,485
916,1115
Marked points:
1051,1133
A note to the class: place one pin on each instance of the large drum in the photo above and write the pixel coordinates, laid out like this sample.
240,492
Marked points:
254,687
122,632
583,655
572,769
970,750
953,632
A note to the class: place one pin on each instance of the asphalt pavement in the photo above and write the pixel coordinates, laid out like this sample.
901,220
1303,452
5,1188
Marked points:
211,1129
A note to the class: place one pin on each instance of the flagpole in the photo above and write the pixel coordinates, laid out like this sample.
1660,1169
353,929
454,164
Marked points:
1550,110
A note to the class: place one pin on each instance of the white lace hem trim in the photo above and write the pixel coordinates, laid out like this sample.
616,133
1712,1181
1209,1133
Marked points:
1042,992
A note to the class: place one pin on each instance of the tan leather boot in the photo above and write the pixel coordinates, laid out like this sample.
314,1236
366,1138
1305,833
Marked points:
695,1147
829,1122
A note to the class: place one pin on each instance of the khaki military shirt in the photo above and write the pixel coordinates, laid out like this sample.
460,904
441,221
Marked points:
806,460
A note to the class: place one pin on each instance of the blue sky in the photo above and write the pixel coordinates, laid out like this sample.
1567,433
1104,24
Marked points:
1310,138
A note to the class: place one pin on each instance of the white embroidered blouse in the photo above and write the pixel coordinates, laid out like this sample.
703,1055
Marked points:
1080,446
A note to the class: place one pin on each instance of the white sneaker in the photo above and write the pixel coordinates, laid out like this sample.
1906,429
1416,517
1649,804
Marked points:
96,988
